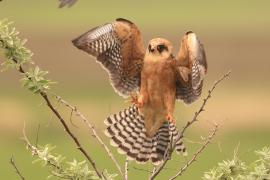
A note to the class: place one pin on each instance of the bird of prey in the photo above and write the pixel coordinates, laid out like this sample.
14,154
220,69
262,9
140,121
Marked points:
153,78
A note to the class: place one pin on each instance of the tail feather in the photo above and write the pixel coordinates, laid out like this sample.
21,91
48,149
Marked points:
146,148
127,132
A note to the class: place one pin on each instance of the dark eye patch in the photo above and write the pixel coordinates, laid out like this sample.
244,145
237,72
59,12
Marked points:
161,48
149,48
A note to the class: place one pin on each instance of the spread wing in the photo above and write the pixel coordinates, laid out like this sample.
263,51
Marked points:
191,68
118,46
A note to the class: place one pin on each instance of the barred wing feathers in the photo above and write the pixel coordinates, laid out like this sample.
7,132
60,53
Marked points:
191,68
118,46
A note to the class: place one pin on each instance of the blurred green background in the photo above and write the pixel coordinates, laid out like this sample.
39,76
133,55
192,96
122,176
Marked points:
235,35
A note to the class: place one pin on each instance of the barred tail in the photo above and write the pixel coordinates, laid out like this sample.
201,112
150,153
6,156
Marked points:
127,132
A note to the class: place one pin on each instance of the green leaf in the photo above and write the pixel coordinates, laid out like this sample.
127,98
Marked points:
238,170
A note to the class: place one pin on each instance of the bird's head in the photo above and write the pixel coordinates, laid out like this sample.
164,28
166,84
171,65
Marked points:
159,47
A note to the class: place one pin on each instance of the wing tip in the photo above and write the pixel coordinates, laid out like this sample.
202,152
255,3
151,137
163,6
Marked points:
189,32
76,42
124,20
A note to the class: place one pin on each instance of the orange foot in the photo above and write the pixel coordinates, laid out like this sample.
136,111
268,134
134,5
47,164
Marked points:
170,118
135,101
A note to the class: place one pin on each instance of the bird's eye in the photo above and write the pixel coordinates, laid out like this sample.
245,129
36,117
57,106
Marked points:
161,47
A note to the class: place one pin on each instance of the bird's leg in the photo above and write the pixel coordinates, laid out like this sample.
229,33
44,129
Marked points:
137,101
169,103
170,118
141,101
133,98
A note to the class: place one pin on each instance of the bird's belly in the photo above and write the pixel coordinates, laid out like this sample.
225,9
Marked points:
154,110
155,93
158,83
155,107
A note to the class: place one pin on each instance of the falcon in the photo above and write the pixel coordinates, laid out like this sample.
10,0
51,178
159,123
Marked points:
153,78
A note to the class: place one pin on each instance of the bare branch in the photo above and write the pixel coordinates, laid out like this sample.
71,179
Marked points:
74,138
75,110
193,142
156,170
202,108
36,143
66,128
189,123
196,154
70,119
34,149
12,162
126,169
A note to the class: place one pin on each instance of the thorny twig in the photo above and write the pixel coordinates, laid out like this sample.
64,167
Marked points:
34,150
74,138
194,119
196,154
75,110
188,124
66,128
12,162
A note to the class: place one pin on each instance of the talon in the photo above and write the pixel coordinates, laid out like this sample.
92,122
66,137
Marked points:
170,118
135,100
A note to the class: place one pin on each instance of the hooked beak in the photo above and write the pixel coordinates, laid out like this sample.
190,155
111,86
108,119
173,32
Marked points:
150,49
